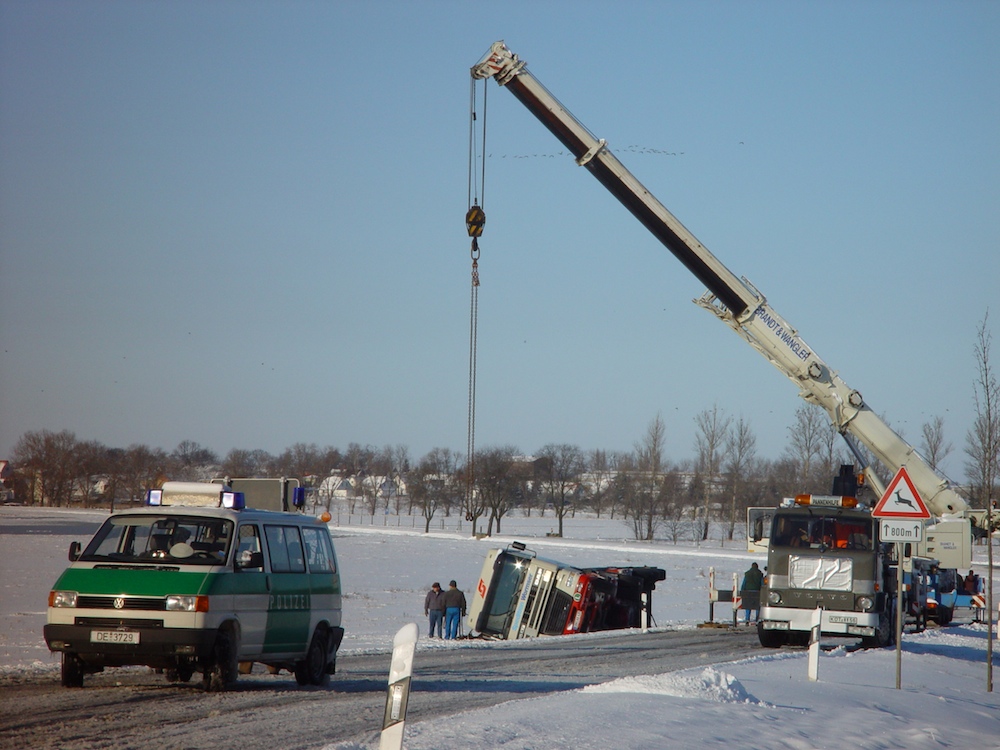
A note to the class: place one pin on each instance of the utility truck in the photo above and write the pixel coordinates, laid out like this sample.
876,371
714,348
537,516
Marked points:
520,595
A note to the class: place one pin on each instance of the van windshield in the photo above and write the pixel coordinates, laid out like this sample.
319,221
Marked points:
188,540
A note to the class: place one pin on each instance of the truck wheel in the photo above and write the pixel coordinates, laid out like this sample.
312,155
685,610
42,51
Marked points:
312,669
771,638
945,615
801,638
222,668
72,671
884,632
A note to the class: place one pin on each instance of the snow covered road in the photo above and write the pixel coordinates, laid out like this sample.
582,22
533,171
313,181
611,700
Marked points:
136,708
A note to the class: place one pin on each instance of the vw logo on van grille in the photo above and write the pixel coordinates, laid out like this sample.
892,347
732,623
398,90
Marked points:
97,601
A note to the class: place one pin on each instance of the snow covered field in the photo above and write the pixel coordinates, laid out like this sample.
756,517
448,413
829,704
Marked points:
764,702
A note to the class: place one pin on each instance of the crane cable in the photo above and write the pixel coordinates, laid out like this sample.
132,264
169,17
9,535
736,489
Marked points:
475,220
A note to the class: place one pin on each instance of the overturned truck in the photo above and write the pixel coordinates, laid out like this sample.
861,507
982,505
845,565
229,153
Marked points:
520,595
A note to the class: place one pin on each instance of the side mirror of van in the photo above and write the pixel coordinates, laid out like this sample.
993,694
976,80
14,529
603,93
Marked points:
74,551
248,560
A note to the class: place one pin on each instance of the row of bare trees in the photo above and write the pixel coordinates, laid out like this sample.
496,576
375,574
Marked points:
651,494
55,468
643,487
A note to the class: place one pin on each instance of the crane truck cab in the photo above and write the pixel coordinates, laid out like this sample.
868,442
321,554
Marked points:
824,554
197,582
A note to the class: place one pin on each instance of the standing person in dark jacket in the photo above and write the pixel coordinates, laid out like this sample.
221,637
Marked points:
753,579
454,609
434,609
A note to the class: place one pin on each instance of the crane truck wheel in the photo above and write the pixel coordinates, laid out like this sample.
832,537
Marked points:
885,632
771,638
944,615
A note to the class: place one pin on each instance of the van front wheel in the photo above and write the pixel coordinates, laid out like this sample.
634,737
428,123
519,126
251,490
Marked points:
72,671
223,667
312,669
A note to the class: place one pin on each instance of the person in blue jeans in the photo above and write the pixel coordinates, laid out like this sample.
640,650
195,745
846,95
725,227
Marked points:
434,609
454,609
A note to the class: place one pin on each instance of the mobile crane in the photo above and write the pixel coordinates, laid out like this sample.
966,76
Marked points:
742,307
735,301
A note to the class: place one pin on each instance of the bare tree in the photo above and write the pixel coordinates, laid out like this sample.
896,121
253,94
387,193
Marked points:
190,461
497,484
805,443
46,460
301,460
982,446
358,458
832,454
246,463
360,463
434,483
563,467
600,477
710,442
982,442
672,494
144,468
399,462
640,488
933,444
741,450
377,483
90,459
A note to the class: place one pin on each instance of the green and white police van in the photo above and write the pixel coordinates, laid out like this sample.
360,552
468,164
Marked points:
197,582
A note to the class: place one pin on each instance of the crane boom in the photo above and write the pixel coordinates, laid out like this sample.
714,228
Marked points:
732,299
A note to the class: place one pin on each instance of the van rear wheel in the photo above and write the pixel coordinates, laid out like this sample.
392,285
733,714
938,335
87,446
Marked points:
312,669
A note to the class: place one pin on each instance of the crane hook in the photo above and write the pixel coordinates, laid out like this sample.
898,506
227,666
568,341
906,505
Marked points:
475,220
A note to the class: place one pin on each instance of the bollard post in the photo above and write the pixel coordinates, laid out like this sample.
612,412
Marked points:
400,674
737,601
814,635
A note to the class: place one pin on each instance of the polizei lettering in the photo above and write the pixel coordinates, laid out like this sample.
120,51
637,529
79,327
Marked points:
787,337
288,601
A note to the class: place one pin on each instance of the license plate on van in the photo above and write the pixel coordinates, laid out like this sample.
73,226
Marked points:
114,636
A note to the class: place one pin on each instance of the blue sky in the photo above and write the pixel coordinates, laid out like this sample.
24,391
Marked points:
242,223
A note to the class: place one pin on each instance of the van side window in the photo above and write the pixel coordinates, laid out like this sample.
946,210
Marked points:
284,546
248,538
319,551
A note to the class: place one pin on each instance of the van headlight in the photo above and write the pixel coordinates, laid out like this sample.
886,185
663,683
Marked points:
185,603
62,598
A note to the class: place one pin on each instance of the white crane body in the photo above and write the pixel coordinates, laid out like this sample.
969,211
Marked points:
732,299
